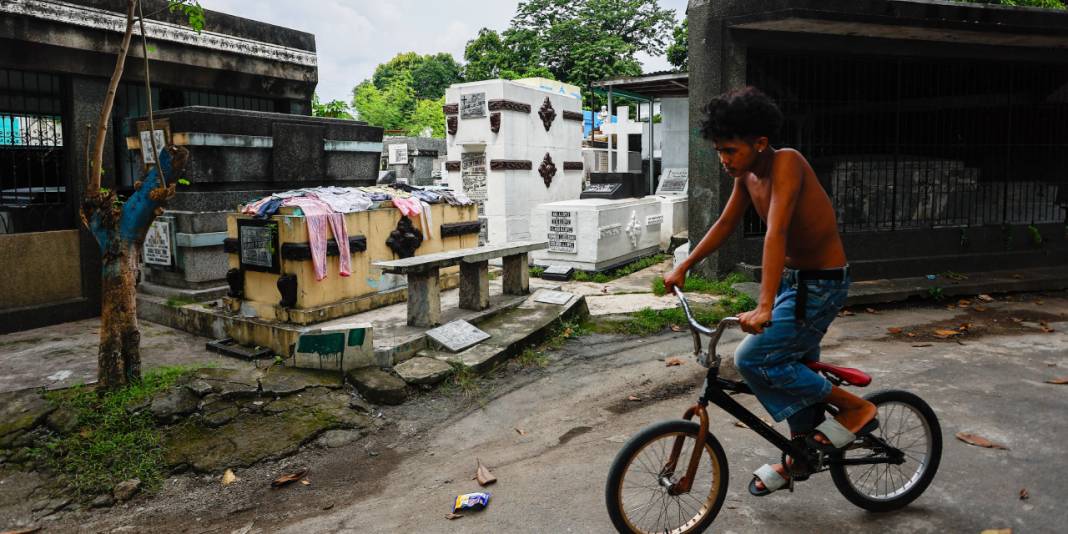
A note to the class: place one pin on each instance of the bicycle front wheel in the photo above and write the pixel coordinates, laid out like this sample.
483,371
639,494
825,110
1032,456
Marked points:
637,492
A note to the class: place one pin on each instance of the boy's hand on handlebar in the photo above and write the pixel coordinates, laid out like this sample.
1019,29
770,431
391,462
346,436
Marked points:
754,322
673,279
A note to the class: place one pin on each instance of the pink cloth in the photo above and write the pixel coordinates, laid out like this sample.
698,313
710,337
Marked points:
407,206
317,215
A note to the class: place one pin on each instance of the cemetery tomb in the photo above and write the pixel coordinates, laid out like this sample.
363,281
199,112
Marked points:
674,204
512,147
597,234
272,275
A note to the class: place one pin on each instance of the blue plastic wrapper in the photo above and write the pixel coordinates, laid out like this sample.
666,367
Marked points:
471,501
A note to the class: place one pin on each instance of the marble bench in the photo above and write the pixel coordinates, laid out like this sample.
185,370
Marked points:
424,294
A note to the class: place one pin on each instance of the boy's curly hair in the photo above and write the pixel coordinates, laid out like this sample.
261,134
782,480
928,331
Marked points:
742,113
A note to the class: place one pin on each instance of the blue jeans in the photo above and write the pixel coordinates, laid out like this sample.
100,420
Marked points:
772,362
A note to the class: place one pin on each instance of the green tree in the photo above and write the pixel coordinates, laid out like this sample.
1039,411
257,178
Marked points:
334,109
428,114
389,108
430,74
1051,4
577,41
678,51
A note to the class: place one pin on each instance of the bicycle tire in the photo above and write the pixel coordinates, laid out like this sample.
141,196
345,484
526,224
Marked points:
647,436
845,484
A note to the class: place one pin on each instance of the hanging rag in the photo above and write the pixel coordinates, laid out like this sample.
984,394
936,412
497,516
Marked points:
318,215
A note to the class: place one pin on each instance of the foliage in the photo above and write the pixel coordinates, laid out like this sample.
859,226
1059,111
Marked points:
535,272
464,381
647,322
620,272
1051,4
430,74
389,108
194,13
110,444
334,109
576,41
1036,235
678,52
935,293
428,115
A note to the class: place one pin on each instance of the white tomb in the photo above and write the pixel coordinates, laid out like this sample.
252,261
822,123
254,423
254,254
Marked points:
512,147
674,204
596,234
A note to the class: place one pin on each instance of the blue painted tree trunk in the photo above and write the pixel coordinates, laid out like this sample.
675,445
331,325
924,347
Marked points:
120,234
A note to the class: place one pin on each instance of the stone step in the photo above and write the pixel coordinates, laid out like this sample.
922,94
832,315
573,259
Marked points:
379,386
512,331
423,370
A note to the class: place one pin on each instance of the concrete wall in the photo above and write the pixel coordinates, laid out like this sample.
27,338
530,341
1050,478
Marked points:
674,137
42,267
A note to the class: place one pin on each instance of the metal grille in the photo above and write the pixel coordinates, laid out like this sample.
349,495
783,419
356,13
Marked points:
907,143
33,187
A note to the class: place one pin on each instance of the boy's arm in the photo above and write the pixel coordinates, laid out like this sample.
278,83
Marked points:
720,231
786,176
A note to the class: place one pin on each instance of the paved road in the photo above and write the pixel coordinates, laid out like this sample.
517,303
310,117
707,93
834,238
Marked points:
551,478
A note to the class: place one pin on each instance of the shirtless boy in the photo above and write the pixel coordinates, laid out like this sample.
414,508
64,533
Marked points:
804,279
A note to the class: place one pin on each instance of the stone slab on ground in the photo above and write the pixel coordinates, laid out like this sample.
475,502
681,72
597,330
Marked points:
511,331
601,305
289,423
423,370
174,402
901,289
379,386
637,282
287,380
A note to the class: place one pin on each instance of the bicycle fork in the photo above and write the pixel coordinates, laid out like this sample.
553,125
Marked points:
686,482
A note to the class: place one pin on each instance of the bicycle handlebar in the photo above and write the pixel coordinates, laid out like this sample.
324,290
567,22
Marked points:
697,328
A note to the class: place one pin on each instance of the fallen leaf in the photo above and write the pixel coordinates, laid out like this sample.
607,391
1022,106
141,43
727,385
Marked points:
918,345
964,327
1024,494
229,478
964,303
1038,302
673,361
453,516
740,424
846,313
997,531
911,334
943,334
634,398
979,441
985,298
520,431
979,308
483,475
676,328
288,478
1016,319
305,481
871,310
1045,327
894,330
1061,380
30,530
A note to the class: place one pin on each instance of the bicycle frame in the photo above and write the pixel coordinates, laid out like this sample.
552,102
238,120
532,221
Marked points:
716,392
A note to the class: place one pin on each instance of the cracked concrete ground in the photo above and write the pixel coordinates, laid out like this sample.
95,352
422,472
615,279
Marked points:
573,416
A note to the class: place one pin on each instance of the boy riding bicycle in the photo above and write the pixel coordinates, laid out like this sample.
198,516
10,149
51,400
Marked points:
804,281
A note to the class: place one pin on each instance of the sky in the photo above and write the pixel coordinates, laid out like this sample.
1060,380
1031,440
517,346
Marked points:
354,36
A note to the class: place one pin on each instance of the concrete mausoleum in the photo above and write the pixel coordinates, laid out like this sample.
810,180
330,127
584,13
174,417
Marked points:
512,147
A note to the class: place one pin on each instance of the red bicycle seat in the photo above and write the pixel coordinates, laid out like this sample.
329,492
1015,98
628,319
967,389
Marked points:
849,375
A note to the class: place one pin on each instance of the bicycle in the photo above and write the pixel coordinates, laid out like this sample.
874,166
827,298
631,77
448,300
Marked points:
881,471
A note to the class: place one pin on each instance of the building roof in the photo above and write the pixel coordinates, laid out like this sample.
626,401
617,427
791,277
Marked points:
664,84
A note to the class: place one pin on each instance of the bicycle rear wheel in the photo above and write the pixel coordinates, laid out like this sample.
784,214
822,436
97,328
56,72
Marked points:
908,424
637,489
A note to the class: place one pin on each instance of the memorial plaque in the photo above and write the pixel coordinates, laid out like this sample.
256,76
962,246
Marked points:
549,296
398,154
674,182
473,106
146,146
561,273
604,190
473,174
258,240
562,235
159,247
457,335
654,220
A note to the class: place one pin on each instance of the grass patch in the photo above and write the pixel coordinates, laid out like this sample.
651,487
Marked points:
703,285
620,272
463,381
535,272
110,444
532,357
178,302
647,322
